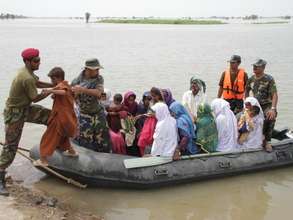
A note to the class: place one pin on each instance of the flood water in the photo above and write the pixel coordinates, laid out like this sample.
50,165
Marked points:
138,57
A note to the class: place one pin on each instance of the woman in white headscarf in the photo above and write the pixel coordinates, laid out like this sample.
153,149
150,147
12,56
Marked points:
165,136
226,125
255,134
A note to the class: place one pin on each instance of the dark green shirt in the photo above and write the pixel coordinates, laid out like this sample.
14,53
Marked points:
23,89
262,89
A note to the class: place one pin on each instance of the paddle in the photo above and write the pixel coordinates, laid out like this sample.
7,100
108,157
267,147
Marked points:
68,180
155,161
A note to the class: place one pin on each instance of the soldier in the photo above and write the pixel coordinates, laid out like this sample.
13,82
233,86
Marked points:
232,85
18,110
263,87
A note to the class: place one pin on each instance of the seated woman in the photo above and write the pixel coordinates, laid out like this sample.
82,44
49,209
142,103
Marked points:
165,136
207,134
194,97
145,139
187,137
130,103
168,98
226,125
128,123
115,112
157,95
251,125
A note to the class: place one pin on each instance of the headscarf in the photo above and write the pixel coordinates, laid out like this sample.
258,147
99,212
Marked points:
254,102
190,101
108,100
165,136
184,123
168,98
132,108
226,124
254,139
201,84
207,134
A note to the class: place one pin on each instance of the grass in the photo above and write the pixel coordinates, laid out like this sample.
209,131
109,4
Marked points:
161,21
272,22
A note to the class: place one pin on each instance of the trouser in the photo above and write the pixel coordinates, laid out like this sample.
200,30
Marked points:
236,105
54,138
94,132
13,130
268,126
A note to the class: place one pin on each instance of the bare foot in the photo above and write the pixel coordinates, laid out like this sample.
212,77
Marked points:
41,163
268,147
70,153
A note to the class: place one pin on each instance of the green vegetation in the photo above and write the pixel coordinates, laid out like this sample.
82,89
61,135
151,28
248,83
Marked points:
161,21
10,16
272,22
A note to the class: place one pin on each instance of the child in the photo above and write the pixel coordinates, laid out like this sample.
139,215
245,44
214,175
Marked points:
116,111
62,123
245,124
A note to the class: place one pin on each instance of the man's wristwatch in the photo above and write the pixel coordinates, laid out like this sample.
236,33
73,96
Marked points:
274,108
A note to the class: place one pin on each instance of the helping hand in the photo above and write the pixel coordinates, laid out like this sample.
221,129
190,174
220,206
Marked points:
77,89
271,115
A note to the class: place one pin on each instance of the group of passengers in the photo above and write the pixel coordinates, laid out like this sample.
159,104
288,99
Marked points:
158,125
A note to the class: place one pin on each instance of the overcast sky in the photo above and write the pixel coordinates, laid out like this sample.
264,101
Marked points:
163,8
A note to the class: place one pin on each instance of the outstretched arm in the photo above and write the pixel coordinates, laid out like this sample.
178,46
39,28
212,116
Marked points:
42,85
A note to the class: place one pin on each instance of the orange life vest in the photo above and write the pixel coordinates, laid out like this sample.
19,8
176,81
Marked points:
235,91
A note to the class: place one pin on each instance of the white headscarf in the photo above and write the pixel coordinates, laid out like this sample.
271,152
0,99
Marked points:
165,136
226,125
108,100
255,137
253,101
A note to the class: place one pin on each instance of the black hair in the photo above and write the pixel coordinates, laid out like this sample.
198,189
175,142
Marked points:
157,92
118,97
57,72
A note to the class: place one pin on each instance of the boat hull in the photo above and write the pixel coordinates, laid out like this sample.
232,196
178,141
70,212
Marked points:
108,170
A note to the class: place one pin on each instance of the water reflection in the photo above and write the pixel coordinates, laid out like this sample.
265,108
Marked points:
245,197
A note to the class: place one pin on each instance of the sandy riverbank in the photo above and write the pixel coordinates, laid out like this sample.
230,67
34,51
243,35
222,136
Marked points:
24,203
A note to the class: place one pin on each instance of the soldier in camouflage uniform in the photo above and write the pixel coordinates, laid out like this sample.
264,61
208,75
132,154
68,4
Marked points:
19,109
263,87
93,127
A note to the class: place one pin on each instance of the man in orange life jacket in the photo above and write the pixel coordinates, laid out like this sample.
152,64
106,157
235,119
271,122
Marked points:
232,84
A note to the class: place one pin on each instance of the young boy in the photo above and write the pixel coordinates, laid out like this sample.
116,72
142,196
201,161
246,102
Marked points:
62,123
245,124
116,111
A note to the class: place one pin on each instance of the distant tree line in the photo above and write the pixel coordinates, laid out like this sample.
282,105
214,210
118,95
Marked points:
10,16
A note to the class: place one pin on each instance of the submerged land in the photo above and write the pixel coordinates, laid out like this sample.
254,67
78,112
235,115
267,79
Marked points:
162,21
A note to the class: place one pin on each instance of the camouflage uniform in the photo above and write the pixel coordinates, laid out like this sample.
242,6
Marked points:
93,127
19,110
263,89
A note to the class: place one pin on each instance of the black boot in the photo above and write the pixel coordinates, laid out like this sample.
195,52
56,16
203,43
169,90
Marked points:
3,190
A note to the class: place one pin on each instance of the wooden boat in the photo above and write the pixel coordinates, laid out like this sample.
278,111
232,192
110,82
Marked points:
113,170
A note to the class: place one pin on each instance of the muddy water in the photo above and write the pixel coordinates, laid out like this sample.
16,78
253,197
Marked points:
141,56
